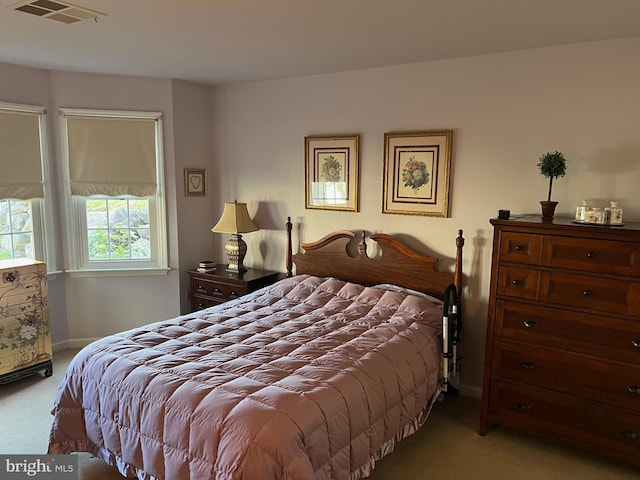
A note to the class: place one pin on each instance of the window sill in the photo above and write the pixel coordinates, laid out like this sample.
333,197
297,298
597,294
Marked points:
119,272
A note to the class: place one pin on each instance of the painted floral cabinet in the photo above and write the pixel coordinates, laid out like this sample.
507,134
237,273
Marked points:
25,337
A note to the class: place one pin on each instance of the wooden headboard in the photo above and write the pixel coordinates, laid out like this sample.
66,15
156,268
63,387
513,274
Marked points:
397,263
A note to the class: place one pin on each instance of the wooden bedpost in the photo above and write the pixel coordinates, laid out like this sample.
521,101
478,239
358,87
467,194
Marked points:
457,279
289,249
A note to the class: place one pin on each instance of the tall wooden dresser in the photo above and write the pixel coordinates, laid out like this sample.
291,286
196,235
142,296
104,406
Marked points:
562,355
25,336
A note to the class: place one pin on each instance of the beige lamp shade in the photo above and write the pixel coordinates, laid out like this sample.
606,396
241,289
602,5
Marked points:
235,219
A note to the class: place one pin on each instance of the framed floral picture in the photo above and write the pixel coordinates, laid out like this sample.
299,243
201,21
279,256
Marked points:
195,182
331,172
416,173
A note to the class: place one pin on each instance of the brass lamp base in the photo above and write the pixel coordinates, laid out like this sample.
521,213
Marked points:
235,249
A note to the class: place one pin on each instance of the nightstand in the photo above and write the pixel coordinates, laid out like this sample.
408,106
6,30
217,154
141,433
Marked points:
219,286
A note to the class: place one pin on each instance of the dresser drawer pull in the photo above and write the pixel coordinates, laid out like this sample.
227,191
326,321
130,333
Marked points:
200,306
516,282
591,255
527,365
630,435
524,406
530,324
636,343
200,287
633,389
233,295
518,248
217,291
587,293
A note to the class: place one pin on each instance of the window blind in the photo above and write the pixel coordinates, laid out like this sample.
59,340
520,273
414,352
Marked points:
20,155
111,156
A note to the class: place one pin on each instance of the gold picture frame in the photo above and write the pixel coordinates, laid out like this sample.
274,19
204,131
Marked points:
416,173
331,172
195,182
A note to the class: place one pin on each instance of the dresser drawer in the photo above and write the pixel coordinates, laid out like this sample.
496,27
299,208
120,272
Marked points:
615,383
580,332
520,248
563,417
589,255
605,295
519,282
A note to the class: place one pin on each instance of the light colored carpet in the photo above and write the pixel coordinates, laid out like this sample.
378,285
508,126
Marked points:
447,447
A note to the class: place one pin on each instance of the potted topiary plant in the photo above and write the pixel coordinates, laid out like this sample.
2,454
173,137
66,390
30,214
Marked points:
551,165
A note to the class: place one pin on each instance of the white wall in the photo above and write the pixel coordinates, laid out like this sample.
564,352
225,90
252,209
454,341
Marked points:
505,110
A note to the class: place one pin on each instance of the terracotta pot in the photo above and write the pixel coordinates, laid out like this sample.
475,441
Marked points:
548,209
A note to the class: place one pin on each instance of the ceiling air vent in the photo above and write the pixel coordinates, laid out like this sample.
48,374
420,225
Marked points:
59,11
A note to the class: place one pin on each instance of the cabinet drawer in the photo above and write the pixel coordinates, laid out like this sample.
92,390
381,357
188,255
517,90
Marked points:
539,411
518,282
580,332
520,248
589,255
615,383
615,296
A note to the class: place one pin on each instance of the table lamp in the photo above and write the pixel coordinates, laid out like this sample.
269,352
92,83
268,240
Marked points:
235,220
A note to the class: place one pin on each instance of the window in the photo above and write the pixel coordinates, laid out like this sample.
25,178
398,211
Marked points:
25,207
113,173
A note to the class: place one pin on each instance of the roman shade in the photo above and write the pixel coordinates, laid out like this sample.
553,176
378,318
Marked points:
20,156
111,156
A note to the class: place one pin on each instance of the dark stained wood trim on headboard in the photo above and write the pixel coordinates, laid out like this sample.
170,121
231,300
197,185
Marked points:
396,263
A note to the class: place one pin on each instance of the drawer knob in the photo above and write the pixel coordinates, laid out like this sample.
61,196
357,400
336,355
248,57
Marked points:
201,305
591,255
530,324
630,435
633,389
527,365
233,294
518,248
516,282
587,293
636,343
200,287
524,406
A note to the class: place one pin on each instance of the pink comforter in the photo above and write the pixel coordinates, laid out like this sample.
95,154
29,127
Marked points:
311,378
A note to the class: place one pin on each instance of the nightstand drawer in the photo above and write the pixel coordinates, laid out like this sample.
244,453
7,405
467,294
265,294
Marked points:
217,289
200,303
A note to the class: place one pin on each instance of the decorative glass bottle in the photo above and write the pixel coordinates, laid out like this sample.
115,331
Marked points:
581,211
615,214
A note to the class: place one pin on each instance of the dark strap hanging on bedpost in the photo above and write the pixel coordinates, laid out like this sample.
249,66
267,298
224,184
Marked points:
289,249
457,280
451,325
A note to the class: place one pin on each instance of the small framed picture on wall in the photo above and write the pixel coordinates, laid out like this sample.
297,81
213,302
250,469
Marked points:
195,182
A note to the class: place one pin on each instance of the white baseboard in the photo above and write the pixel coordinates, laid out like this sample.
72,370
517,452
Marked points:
72,343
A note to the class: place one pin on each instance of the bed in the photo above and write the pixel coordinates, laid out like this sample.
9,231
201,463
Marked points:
317,376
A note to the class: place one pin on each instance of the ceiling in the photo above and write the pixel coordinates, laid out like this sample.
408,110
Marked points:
225,41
